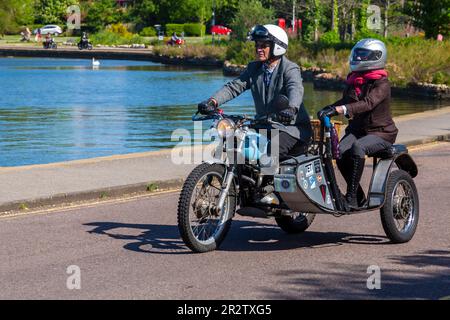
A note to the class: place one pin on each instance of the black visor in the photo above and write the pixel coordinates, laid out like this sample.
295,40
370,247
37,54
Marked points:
366,55
260,33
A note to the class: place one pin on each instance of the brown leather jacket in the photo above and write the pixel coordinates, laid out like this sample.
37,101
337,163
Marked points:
370,113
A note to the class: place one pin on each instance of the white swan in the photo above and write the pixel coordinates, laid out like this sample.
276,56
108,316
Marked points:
95,63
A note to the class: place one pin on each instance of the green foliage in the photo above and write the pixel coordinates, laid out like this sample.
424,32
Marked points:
329,39
441,77
433,16
240,52
189,29
312,19
225,11
194,29
144,13
249,14
191,51
174,27
148,32
362,14
52,11
120,29
365,33
101,13
107,37
15,13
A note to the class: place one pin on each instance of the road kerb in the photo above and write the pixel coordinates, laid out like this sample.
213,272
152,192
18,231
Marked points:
131,189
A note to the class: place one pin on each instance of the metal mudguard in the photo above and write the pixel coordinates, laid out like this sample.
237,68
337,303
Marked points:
377,190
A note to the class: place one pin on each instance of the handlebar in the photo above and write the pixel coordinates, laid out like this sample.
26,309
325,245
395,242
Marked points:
221,115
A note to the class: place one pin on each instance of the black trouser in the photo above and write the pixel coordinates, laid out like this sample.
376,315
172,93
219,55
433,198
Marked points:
290,146
353,150
353,146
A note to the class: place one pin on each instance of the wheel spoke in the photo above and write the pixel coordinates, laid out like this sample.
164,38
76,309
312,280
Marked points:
205,223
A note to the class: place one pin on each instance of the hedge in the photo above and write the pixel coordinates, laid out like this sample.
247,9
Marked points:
194,29
148,32
189,29
174,27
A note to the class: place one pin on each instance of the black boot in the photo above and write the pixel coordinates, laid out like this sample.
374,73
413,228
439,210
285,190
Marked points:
345,166
353,183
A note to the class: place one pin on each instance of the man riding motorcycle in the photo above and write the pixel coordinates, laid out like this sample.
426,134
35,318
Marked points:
272,75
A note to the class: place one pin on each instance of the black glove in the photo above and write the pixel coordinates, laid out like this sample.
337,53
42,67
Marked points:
207,107
286,115
328,111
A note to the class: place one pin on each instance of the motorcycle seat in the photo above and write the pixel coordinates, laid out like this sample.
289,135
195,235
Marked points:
390,152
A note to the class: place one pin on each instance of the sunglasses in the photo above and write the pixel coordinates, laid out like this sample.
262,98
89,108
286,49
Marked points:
262,45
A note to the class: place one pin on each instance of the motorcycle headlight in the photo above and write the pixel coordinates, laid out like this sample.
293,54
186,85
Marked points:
225,128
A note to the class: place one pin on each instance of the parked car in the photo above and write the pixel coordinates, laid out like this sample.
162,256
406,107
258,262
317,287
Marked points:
49,29
217,29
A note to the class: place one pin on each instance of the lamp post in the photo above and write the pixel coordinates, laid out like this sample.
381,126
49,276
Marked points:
213,20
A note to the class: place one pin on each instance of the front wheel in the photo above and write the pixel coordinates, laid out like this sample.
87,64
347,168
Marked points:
297,223
202,227
400,213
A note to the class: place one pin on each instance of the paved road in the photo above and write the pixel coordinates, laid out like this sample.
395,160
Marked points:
131,249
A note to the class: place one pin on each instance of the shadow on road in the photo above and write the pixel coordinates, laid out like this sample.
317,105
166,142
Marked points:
420,276
243,236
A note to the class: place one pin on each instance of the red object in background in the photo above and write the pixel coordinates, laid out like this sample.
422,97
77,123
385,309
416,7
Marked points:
282,23
217,29
299,24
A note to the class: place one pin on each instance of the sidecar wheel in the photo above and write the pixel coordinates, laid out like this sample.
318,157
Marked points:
400,213
295,224
201,227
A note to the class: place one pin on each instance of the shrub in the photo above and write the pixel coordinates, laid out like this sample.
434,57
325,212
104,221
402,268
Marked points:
329,39
148,32
174,27
108,37
441,77
194,29
120,29
240,52
191,51
367,34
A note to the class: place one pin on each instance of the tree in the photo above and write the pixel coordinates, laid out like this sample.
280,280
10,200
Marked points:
311,12
249,14
101,13
144,13
334,16
433,16
14,13
52,11
226,11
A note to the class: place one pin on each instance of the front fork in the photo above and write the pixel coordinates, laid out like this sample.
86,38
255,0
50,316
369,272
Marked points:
226,185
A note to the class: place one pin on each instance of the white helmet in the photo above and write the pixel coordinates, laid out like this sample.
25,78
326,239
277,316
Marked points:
368,54
276,35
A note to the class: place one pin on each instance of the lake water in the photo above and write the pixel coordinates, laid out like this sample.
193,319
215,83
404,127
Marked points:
55,110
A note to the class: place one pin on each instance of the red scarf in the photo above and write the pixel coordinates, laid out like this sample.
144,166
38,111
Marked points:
357,79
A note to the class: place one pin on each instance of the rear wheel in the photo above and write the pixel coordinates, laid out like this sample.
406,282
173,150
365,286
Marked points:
297,223
400,213
201,225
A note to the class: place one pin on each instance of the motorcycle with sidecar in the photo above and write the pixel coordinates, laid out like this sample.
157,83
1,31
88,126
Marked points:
294,192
